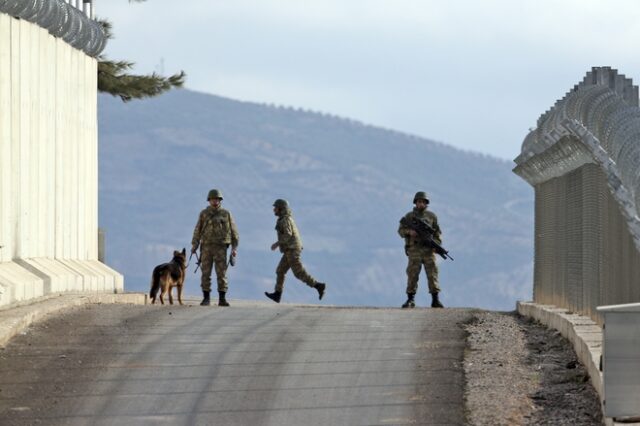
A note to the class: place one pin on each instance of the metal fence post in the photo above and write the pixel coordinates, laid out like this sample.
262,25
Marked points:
101,244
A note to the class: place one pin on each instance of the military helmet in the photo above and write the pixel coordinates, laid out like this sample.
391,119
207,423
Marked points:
214,193
280,203
420,195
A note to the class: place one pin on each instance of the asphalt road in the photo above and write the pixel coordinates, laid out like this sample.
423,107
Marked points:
250,364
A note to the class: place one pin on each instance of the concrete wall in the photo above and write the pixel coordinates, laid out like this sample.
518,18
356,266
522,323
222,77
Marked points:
48,167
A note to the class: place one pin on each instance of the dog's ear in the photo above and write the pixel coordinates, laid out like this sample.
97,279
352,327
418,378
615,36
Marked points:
184,251
175,253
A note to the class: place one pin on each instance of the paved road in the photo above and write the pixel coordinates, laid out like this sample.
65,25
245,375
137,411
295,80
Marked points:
251,364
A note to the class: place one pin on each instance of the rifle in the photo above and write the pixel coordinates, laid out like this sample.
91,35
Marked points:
425,235
232,261
197,261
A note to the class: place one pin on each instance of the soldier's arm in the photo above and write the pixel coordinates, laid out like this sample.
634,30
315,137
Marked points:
195,241
403,231
437,235
235,237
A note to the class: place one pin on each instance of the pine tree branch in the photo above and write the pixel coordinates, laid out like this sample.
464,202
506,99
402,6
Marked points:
113,77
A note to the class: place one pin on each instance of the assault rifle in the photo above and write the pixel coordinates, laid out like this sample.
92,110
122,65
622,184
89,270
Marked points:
197,261
425,235
232,261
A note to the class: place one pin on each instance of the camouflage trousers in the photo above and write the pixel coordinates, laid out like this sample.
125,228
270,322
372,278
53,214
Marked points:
417,259
210,256
291,260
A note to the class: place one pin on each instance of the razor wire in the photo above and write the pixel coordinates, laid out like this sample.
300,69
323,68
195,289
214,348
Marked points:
62,20
613,120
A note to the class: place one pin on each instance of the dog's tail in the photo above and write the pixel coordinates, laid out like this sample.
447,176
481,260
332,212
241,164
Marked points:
155,282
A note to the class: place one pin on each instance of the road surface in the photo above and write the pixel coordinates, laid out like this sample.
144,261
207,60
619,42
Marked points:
250,364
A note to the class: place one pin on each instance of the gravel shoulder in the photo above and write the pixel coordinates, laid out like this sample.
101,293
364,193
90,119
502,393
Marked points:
518,372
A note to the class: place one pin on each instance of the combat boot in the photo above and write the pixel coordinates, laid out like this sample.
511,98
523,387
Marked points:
205,301
410,303
435,301
222,301
275,296
320,287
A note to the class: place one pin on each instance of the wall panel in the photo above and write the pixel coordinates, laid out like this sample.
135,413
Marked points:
6,232
48,166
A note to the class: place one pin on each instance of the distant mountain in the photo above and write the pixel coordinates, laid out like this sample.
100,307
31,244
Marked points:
348,184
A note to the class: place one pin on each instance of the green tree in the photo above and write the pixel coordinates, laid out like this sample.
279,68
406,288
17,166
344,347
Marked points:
114,77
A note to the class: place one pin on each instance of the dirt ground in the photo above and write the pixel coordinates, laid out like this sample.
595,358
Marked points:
520,373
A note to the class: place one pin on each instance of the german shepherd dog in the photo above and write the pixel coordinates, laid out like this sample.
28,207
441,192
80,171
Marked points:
169,275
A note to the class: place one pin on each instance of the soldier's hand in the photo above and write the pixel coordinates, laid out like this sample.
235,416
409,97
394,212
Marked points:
193,250
274,246
412,232
234,252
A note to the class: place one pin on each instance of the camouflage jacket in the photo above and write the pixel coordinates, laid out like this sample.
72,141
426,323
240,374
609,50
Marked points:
430,218
215,227
288,235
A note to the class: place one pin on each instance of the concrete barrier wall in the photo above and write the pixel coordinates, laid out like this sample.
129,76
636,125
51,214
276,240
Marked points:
583,160
48,166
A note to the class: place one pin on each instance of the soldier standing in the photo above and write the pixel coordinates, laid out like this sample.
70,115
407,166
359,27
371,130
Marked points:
290,246
420,254
213,233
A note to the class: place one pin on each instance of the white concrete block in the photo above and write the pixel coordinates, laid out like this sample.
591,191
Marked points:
18,283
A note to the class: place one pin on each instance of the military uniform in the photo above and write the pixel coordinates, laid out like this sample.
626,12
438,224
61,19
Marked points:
290,245
213,233
420,255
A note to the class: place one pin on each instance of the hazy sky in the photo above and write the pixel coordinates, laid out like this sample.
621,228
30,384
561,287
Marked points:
475,74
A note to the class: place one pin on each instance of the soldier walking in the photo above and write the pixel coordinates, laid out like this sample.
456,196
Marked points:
419,254
290,246
213,233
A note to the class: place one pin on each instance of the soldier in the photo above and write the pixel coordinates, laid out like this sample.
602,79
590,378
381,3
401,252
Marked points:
213,233
420,254
290,246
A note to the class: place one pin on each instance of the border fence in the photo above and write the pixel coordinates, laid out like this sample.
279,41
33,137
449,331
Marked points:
583,160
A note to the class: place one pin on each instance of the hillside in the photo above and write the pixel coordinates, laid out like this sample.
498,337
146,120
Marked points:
348,185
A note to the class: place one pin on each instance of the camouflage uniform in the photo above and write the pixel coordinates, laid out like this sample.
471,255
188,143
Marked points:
290,246
420,255
214,232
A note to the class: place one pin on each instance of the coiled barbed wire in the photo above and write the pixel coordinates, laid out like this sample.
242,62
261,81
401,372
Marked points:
61,20
604,105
